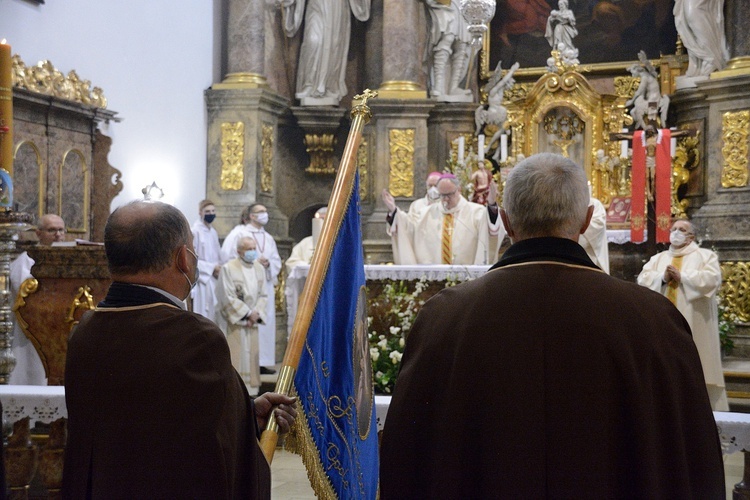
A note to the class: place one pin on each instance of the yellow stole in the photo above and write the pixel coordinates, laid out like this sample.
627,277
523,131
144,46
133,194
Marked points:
447,239
672,286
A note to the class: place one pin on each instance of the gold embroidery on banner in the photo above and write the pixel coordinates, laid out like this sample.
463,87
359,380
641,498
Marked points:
364,179
401,146
735,130
266,174
44,78
734,289
232,155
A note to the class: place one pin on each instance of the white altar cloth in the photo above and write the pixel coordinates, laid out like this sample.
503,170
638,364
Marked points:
734,431
296,279
42,403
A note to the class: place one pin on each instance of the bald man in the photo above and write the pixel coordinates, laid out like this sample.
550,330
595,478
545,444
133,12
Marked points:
29,369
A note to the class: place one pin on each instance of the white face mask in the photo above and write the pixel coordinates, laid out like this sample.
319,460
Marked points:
433,193
677,238
262,218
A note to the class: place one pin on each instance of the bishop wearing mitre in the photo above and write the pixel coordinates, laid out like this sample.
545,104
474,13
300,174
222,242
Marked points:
454,231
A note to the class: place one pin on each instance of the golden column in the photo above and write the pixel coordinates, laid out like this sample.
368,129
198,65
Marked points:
6,108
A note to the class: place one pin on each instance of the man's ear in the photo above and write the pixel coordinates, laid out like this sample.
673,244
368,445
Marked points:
506,223
589,214
182,259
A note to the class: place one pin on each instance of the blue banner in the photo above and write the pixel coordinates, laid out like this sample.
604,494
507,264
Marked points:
334,377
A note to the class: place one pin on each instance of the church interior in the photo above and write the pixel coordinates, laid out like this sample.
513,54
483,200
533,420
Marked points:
226,100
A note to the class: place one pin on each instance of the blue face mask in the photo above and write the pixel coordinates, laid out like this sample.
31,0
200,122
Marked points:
249,256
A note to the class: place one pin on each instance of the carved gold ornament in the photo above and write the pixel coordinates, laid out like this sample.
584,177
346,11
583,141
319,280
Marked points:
232,155
401,162
364,175
625,86
687,157
735,130
44,78
320,149
83,300
266,174
734,289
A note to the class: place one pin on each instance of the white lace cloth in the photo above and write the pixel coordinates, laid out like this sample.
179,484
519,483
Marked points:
43,403
734,431
622,236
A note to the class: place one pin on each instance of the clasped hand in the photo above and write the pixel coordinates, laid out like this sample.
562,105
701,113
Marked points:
284,409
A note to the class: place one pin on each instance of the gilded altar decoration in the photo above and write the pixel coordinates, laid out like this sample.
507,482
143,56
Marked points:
401,162
364,174
44,78
734,289
735,130
320,149
566,126
266,173
84,301
232,155
625,86
687,157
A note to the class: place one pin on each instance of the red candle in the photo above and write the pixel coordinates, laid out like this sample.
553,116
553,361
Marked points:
6,108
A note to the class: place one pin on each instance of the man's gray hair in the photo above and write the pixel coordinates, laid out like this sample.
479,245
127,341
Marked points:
546,195
142,237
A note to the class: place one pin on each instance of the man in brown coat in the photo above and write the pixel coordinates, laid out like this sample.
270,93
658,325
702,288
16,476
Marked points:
155,409
547,378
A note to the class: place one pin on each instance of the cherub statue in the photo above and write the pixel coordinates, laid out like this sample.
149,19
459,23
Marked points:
495,114
647,93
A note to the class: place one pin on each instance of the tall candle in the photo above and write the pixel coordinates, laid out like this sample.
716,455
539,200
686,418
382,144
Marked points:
6,108
480,148
673,143
624,146
460,149
503,148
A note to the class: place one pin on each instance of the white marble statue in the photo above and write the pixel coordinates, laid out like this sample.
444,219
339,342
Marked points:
647,97
449,48
495,114
700,24
561,27
325,46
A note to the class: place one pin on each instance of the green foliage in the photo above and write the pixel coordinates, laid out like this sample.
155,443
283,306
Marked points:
727,321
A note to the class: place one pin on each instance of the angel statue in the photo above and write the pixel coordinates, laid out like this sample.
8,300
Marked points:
648,94
495,114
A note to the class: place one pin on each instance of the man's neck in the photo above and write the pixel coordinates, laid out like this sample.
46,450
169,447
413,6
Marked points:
255,225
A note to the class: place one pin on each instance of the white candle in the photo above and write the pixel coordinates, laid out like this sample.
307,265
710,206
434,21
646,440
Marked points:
673,143
480,148
624,146
317,227
461,149
503,148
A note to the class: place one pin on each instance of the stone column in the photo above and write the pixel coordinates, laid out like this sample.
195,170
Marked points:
397,161
246,45
737,14
402,59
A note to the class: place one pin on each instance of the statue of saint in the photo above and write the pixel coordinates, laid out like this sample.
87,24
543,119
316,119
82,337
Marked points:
647,97
700,24
561,27
481,179
450,47
325,46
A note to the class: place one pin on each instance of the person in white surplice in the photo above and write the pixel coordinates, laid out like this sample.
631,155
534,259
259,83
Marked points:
690,277
322,59
594,240
29,369
206,246
253,220
454,231
242,301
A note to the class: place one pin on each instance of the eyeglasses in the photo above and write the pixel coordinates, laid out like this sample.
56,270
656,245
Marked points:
448,195
53,230
682,230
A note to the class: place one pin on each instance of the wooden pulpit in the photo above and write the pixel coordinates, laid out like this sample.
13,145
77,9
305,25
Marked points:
67,281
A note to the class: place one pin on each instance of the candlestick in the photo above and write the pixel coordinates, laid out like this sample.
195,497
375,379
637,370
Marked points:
503,148
480,148
624,146
461,149
6,108
673,143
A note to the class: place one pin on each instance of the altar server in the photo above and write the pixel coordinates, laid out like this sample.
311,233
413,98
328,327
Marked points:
206,241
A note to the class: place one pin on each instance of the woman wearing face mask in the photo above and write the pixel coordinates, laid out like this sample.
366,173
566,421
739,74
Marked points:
242,303
690,277
206,243
253,222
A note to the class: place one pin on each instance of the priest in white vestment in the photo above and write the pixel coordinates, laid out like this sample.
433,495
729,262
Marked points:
206,246
454,231
431,197
594,240
253,220
690,277
242,303
29,368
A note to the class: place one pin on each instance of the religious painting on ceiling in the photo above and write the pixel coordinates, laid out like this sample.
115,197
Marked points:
608,31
